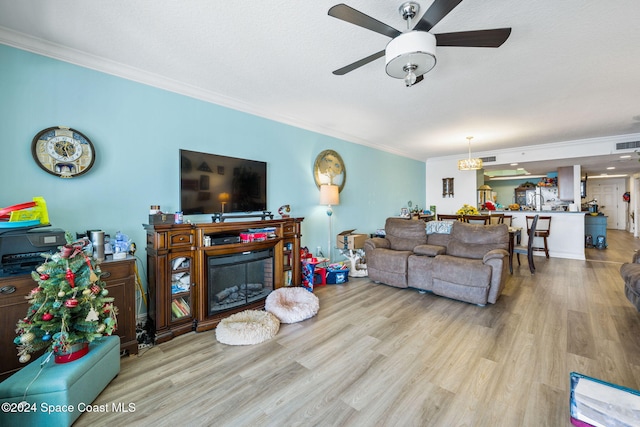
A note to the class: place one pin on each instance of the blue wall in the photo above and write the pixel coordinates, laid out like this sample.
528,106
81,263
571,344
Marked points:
137,131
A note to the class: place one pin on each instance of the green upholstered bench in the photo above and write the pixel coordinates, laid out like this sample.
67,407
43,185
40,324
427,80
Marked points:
59,394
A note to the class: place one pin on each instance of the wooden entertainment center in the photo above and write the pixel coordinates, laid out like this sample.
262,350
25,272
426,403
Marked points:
178,269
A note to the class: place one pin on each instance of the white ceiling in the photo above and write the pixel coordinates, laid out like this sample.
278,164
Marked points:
569,70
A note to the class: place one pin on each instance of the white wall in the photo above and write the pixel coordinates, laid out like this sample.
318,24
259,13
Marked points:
466,183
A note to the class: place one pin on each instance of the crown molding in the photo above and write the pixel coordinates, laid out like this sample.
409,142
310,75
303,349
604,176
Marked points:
86,60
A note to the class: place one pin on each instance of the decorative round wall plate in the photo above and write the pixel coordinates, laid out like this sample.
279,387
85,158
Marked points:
63,152
329,169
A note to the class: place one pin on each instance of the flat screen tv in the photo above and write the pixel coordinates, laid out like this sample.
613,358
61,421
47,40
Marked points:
210,183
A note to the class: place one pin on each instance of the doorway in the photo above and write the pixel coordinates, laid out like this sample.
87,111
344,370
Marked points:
608,193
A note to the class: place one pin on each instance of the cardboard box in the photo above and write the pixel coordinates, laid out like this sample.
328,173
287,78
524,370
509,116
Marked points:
349,240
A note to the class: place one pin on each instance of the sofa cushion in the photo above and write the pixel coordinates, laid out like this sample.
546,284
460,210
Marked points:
430,250
405,234
475,240
438,239
463,271
388,260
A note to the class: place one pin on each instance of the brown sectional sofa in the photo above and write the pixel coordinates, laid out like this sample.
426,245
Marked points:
469,263
630,272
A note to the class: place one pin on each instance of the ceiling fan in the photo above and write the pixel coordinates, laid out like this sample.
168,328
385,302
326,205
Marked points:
411,54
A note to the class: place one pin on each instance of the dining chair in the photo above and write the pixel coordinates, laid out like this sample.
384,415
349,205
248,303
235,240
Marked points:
496,218
445,217
477,219
507,219
528,250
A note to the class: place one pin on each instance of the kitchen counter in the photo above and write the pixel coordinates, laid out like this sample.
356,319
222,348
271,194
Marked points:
566,238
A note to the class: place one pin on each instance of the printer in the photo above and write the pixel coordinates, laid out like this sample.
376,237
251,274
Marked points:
21,249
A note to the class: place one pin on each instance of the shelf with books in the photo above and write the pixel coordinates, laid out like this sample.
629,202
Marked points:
287,277
182,279
180,308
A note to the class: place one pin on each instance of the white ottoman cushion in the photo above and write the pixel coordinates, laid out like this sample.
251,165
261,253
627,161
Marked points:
247,327
292,304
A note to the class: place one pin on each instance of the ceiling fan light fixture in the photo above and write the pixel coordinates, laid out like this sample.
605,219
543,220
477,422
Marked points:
414,51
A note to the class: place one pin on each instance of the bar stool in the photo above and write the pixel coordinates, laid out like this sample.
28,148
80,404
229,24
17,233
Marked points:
543,229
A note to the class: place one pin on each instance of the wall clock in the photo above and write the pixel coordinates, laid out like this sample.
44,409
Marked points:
329,169
63,152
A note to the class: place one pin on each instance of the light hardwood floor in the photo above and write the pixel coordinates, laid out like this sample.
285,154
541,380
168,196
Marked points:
377,355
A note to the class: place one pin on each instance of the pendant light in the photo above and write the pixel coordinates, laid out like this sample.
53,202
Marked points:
469,164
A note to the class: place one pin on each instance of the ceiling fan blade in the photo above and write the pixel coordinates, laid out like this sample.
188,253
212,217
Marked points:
358,64
355,17
479,38
438,10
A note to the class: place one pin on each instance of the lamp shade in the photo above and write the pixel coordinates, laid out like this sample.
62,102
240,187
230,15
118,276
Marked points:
469,164
329,195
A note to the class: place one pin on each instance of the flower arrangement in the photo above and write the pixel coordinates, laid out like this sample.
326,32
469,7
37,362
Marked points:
489,206
467,210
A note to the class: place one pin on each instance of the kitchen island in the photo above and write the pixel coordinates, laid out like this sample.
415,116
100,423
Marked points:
566,238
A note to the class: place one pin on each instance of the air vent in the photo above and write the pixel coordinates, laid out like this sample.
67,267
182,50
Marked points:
488,159
627,145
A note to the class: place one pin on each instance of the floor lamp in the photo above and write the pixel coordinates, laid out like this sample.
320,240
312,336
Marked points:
329,195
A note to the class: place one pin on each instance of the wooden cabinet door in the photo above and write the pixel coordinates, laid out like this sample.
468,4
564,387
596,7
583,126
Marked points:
13,306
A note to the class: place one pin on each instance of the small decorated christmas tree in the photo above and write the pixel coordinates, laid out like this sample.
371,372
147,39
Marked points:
69,306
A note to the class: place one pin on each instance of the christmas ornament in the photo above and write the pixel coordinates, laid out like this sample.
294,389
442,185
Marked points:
46,337
101,328
34,291
71,303
44,276
25,358
95,289
93,277
61,294
27,338
104,292
70,277
57,304
41,269
92,315
86,292
47,316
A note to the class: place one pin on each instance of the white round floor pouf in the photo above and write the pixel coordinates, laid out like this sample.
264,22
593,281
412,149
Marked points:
292,304
247,327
